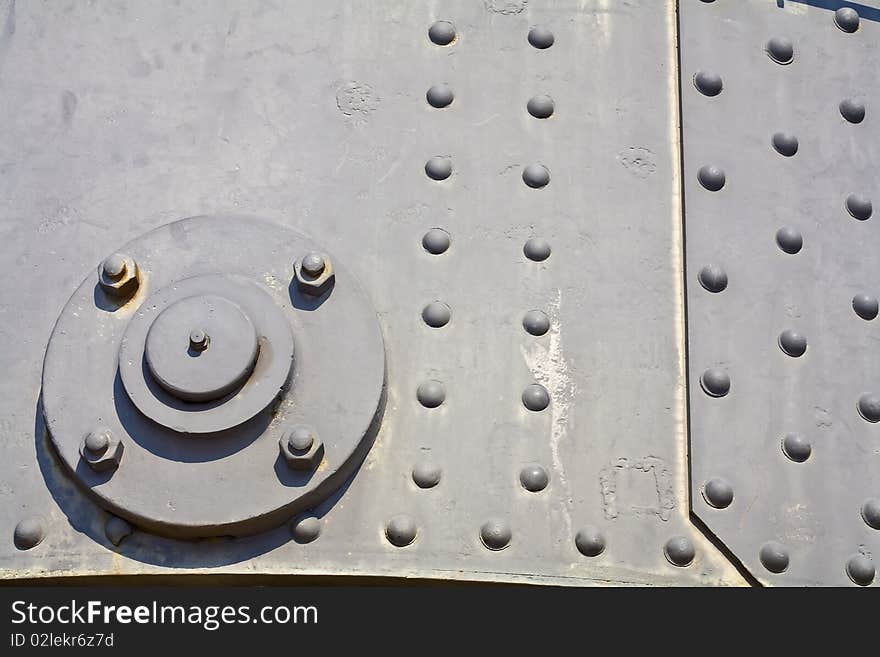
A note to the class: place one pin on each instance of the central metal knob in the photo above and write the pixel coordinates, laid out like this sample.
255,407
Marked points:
179,358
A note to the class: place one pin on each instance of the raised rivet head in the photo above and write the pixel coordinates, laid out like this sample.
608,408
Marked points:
401,530
865,306
541,107
118,276
847,19
535,397
116,529
785,143
679,551
426,474
871,512
869,407
305,528
29,533
541,38
713,278
718,493
789,239
859,206
438,168
536,176
442,33
796,447
301,447
852,109
436,314
860,569
534,478
589,541
711,177
436,241
780,50
314,274
101,449
431,394
536,322
440,96
774,556
792,343
708,83
495,534
715,382
537,249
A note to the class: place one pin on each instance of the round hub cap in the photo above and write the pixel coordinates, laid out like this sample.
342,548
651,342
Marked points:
201,348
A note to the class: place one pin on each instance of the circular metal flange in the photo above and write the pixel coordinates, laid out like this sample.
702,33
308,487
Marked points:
235,376
220,289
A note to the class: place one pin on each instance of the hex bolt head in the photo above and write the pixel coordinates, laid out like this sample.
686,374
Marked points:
314,274
301,448
118,276
101,450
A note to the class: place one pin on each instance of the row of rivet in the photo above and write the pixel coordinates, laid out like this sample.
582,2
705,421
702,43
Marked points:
715,382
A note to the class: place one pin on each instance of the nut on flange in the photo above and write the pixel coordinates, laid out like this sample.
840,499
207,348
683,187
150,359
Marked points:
118,276
101,450
314,274
301,447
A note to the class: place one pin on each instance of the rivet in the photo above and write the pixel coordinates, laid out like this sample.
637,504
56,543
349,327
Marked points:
436,314
439,96
871,513
796,447
847,19
780,50
98,441
541,107
438,167
865,306
715,382
708,83
305,528
852,109
789,239
431,394
541,37
713,278
436,241
859,206
442,33
401,530
114,266
869,407
711,177
589,541
495,534
300,439
116,529
536,322
536,176
860,569
29,533
718,493
774,556
679,551
537,249
313,264
792,343
785,143
426,474
535,397
534,478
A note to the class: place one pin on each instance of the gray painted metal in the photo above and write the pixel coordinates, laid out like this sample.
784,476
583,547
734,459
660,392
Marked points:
783,459
493,189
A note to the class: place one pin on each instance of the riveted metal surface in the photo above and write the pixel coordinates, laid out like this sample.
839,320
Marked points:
784,460
503,178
